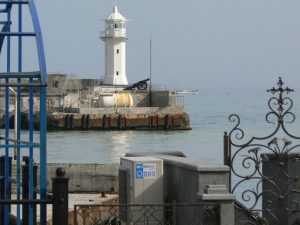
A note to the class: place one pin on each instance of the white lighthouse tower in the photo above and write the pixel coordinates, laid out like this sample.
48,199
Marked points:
115,38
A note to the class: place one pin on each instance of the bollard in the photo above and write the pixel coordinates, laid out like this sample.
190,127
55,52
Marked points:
125,121
67,121
71,119
60,198
119,121
166,122
83,125
104,121
87,121
25,190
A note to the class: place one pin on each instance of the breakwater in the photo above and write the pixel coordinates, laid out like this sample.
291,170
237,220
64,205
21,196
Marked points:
169,118
83,106
135,118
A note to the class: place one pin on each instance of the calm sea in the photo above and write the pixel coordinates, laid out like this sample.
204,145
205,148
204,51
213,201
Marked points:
209,113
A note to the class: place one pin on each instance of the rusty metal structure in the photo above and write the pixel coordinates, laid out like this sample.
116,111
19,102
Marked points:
265,171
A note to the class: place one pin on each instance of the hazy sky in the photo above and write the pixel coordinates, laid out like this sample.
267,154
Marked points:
196,43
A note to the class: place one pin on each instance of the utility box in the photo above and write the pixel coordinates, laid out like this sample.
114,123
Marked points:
141,182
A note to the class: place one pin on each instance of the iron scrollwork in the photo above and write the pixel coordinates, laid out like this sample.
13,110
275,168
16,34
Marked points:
265,171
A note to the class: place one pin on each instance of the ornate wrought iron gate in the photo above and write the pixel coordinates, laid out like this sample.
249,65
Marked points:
265,171
14,83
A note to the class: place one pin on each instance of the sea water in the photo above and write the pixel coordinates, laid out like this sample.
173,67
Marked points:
208,112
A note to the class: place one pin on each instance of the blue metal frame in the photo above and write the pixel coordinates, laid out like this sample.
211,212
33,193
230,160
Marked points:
37,79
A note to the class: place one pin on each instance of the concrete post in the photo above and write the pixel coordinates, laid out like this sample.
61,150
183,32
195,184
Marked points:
60,198
219,194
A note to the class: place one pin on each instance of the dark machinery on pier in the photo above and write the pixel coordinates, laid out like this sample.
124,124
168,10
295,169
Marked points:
141,85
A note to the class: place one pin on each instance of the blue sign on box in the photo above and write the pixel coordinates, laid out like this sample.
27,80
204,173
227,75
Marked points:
139,171
145,171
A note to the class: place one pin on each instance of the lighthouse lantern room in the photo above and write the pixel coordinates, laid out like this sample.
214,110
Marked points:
115,38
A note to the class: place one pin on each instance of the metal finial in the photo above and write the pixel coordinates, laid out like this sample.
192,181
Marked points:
280,88
280,83
60,172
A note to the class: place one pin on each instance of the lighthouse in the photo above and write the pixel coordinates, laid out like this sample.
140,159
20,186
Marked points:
115,38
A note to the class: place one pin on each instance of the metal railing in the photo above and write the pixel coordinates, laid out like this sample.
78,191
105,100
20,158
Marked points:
13,77
147,214
265,170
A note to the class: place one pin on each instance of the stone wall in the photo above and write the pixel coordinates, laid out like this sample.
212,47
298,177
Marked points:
141,98
158,98
86,177
62,84
163,98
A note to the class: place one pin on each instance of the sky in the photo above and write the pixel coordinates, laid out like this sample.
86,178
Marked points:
195,43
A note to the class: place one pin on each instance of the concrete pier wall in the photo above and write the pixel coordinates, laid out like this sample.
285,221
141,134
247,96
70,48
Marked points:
125,119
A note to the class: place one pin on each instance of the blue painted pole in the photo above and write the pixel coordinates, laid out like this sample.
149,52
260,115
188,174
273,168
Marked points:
31,127
6,179
43,153
19,116
43,113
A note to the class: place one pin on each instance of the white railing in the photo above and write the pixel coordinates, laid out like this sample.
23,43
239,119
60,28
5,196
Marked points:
118,32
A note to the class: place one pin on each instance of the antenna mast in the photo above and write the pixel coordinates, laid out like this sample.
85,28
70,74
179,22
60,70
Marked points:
150,85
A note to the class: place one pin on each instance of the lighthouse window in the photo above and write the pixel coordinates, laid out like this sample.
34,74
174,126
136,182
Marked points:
117,51
118,25
117,72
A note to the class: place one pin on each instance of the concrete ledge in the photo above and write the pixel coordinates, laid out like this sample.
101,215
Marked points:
216,197
216,189
196,165
187,163
177,109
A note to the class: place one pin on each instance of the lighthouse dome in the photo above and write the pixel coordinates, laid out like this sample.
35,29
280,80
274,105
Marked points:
116,15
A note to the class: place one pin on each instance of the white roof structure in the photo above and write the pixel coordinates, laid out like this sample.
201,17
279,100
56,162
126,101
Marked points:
116,16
